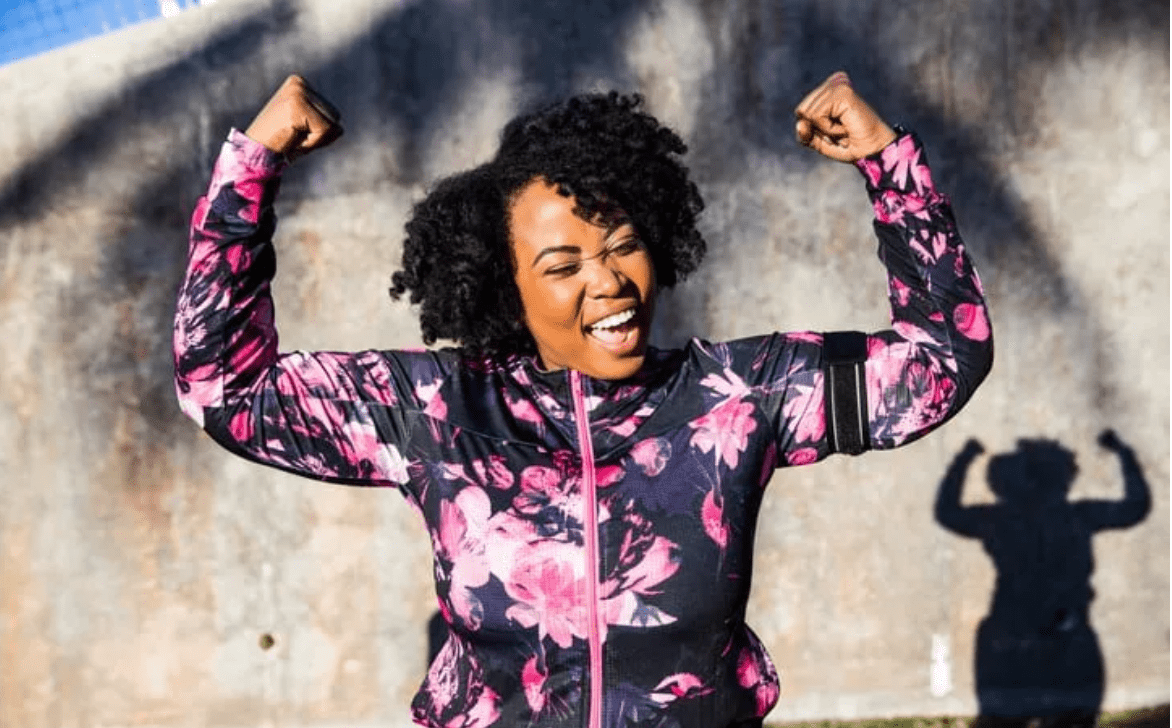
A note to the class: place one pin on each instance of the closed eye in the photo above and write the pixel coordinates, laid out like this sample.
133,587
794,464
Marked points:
627,246
563,270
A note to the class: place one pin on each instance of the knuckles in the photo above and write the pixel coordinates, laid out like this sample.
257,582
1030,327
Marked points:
290,119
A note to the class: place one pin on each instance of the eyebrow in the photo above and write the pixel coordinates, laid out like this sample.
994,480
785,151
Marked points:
610,230
556,249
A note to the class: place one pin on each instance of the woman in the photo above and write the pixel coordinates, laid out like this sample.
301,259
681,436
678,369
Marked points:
591,500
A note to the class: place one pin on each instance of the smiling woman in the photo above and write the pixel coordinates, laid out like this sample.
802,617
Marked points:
523,254
588,291
591,499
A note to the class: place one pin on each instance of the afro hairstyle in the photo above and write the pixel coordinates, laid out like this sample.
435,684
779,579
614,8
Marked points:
600,149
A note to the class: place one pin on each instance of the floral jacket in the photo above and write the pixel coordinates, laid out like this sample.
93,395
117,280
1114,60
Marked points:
593,539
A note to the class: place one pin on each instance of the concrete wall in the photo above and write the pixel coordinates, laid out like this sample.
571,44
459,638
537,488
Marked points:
141,567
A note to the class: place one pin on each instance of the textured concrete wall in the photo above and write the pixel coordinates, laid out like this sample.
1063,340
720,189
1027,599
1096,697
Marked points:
143,571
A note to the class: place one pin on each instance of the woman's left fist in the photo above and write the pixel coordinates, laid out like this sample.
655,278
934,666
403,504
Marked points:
296,120
835,121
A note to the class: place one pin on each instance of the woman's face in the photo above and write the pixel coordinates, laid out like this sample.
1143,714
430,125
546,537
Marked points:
588,291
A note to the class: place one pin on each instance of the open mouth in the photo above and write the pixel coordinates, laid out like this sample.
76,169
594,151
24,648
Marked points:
617,330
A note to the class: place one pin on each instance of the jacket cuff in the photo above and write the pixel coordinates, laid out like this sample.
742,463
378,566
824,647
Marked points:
901,166
899,180
259,160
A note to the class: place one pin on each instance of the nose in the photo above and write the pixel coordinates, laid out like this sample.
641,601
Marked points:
606,279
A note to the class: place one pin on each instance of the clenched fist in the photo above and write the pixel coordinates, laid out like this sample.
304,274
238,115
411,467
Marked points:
835,121
296,120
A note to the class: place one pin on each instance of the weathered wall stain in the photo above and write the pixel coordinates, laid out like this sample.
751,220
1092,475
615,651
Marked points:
141,565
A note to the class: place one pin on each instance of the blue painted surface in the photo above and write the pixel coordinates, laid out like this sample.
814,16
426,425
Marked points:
29,27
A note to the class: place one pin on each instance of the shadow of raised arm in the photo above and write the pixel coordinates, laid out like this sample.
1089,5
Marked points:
1100,515
949,512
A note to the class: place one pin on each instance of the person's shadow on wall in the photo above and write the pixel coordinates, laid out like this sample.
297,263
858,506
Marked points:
1037,659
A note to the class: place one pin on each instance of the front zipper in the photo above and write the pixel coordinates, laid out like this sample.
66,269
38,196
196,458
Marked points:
590,511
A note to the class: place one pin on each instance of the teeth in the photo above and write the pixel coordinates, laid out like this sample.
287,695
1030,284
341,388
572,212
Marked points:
617,319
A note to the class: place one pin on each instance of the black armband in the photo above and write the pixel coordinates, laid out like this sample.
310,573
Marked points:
845,389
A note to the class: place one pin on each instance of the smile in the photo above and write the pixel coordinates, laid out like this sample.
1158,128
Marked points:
613,321
617,332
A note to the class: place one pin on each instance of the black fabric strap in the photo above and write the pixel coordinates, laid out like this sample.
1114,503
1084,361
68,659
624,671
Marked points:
845,389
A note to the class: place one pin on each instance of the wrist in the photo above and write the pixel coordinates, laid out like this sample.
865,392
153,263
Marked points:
884,138
276,141
255,155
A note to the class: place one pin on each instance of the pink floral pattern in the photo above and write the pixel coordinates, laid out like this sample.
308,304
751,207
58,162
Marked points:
487,452
651,455
547,585
533,680
712,517
756,672
642,562
460,543
725,430
456,679
971,321
680,685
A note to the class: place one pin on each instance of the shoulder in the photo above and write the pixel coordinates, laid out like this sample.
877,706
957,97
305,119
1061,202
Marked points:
416,375
755,356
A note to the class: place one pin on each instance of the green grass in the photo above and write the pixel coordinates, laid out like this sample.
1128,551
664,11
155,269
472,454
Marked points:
1145,718
937,722
1156,717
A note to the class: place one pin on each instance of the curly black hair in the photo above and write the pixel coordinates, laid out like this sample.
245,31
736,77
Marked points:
600,149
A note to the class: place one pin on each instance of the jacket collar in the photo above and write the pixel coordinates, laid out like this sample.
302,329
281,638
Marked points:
516,400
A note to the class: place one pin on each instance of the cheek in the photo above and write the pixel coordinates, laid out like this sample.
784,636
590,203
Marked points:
549,303
641,272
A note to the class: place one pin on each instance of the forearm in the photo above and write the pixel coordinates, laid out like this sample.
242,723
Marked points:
940,346
330,415
224,334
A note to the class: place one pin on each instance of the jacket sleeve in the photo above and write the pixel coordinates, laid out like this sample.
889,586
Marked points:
921,371
341,417
940,346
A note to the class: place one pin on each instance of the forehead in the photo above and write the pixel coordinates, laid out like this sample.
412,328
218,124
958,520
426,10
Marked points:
540,218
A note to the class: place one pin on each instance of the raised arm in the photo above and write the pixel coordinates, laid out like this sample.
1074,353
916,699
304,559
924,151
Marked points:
332,416
940,346
949,511
1099,515
890,387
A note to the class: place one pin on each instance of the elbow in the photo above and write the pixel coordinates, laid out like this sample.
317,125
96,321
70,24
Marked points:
948,390
197,388
914,388
973,365
985,361
970,342
1143,506
982,352
940,513
186,388
188,402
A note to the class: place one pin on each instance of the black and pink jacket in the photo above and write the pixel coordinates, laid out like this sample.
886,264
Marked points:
593,539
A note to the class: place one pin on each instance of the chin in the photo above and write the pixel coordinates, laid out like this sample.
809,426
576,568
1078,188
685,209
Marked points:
616,368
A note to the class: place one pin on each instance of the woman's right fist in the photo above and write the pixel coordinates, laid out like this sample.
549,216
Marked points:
296,120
